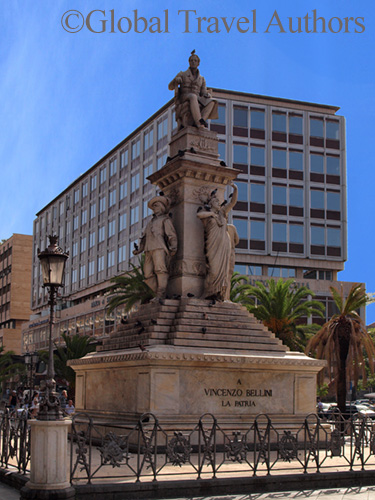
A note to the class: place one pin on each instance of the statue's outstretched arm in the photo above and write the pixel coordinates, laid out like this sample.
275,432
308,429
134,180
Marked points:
234,198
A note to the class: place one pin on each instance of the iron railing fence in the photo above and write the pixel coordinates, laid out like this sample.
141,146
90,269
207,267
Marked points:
152,451
15,440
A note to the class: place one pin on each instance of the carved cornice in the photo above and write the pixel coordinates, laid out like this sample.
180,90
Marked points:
199,357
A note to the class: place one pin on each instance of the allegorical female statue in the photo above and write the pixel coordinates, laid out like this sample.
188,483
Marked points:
193,103
219,245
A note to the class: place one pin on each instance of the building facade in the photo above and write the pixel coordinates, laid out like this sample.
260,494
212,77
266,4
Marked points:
15,284
290,214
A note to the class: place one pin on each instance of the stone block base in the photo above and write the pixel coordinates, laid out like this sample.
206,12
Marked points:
36,494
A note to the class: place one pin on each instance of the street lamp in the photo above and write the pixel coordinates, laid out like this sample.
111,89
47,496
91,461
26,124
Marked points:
31,361
52,261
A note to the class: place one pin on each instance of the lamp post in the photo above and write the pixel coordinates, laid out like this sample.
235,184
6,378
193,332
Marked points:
52,261
31,361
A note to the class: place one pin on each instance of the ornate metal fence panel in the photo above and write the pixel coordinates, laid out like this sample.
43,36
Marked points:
15,440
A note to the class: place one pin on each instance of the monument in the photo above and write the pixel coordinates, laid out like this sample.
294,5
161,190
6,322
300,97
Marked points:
191,351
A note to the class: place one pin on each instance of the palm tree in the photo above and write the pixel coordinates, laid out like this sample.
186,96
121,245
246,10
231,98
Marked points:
280,305
343,340
130,288
76,346
10,366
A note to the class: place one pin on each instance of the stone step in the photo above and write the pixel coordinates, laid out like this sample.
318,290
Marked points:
218,330
235,324
216,309
211,335
228,345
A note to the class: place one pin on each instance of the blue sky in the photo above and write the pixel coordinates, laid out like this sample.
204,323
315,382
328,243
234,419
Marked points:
68,98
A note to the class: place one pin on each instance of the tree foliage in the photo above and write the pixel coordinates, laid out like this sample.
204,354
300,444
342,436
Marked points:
9,367
280,305
130,288
76,346
343,341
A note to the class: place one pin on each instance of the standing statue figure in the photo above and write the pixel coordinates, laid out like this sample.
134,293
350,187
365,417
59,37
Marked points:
159,243
219,245
193,103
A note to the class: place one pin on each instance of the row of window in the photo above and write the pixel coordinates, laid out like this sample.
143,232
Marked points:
283,122
282,272
283,159
289,195
283,232
100,264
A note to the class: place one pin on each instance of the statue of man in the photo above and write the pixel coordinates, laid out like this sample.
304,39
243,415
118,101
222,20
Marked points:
159,243
193,103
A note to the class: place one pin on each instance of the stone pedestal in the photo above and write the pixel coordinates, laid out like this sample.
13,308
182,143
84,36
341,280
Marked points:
191,174
49,474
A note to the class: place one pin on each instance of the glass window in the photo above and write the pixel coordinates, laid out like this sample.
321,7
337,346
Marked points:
332,130
316,127
76,196
134,215
279,158
61,211
317,163
162,129
333,237
102,205
74,275
91,268
241,226
84,217
83,244
279,195
75,223
257,119
295,160
257,193
111,228
333,165
101,233
123,190
122,253
221,151
278,122
147,170
257,230
296,233
242,191
100,263
221,112
161,161
92,210
274,272
75,249
103,175
279,232
93,183
92,239
148,139
240,154
317,235
240,268
146,209
136,149
135,182
112,167
82,272
111,258
254,270
257,156
84,189
122,222
240,117
112,197
317,199
124,158
296,197
295,124
333,201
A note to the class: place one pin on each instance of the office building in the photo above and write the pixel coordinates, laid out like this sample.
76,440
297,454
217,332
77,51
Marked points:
290,215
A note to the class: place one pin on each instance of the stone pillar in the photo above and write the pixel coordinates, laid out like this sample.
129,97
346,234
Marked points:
192,172
49,474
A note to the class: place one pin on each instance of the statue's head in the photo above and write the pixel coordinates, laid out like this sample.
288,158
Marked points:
159,204
194,56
